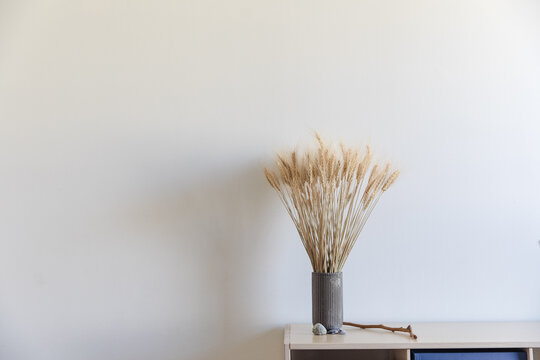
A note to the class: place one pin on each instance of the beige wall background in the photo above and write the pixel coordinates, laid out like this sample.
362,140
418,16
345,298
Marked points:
135,221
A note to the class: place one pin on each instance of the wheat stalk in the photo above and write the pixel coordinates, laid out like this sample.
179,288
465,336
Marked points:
329,194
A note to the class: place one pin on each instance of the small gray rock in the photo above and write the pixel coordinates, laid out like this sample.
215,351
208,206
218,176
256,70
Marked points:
332,331
319,329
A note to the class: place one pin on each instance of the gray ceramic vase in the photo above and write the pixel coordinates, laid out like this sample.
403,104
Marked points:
327,299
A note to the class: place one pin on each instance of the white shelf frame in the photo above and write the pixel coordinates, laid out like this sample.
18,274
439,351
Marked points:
452,335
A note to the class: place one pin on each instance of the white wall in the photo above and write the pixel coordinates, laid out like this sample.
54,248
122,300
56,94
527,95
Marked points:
135,222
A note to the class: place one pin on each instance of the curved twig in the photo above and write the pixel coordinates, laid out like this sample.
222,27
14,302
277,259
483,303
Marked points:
408,329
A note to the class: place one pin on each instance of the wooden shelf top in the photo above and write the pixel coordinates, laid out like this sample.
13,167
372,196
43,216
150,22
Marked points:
449,335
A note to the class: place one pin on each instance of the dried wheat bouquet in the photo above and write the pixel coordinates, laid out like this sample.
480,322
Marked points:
329,194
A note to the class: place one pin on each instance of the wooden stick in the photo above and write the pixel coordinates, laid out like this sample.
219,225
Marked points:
408,329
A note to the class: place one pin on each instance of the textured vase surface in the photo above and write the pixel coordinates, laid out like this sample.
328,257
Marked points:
327,299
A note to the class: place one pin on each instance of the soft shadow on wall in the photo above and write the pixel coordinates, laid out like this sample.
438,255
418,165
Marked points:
219,233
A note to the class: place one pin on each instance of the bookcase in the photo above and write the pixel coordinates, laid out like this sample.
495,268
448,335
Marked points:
376,344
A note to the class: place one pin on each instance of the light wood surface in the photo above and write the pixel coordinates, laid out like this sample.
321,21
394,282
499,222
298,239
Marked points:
430,335
287,342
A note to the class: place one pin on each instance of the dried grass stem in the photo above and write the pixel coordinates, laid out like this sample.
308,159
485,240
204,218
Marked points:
329,199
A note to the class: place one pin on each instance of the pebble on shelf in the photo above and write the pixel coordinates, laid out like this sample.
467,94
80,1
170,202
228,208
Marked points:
319,329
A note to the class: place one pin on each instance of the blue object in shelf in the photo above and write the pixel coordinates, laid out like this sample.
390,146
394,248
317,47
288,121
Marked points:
469,354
